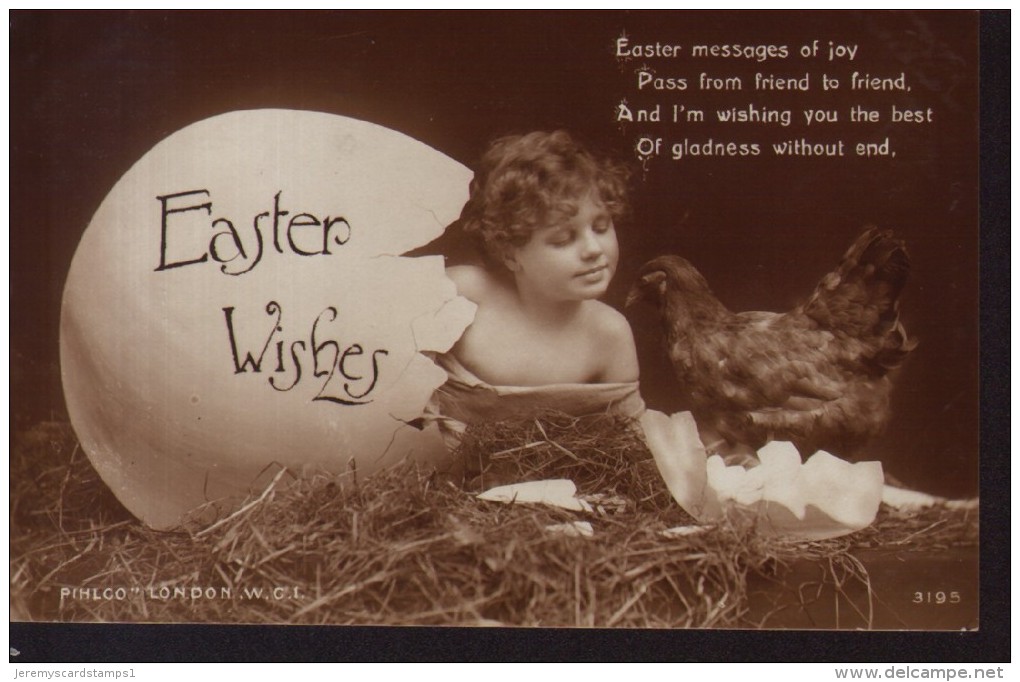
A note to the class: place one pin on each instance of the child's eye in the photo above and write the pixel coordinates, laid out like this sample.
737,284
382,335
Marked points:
602,225
561,238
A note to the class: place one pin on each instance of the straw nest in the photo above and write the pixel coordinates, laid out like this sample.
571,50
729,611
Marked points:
410,547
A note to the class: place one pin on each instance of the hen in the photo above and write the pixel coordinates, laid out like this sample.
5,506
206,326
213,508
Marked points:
816,376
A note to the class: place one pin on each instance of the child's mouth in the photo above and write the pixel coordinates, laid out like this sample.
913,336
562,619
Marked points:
592,274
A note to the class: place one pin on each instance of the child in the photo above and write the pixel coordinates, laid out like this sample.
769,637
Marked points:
543,210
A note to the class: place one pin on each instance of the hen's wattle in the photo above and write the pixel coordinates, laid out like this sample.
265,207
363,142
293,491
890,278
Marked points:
816,375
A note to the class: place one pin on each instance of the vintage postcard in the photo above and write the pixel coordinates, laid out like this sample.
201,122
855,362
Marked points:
576,319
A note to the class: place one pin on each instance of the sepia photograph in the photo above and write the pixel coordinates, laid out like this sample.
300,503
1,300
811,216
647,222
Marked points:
616,320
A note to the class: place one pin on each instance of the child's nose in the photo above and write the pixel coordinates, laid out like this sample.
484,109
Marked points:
590,244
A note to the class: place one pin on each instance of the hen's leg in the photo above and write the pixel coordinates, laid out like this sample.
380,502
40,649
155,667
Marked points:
732,453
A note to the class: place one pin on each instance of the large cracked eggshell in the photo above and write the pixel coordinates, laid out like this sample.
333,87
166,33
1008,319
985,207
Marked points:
239,302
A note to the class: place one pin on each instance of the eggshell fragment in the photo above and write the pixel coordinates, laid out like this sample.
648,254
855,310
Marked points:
560,492
823,497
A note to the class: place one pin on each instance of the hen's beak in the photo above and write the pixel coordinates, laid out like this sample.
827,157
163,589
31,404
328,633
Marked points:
649,287
633,296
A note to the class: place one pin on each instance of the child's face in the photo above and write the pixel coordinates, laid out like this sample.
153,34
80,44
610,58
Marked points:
570,261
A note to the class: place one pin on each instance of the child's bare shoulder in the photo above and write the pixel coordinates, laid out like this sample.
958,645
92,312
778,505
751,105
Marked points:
473,282
616,341
607,322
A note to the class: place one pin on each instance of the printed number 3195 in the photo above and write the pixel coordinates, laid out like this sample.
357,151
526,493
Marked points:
936,597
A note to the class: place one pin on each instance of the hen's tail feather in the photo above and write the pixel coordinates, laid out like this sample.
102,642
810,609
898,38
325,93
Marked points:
861,296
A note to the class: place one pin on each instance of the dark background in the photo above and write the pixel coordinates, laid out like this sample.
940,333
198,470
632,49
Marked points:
92,92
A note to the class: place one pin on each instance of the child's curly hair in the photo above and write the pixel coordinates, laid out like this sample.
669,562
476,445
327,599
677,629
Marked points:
525,182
